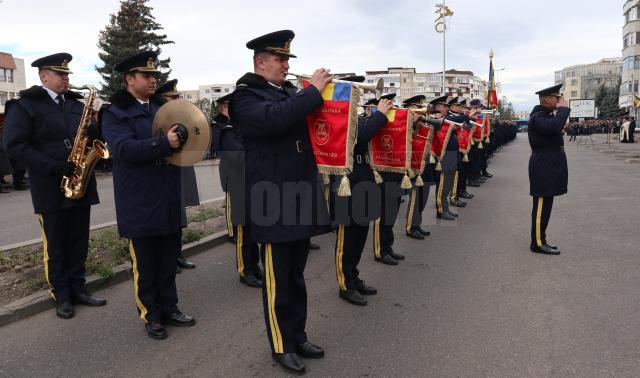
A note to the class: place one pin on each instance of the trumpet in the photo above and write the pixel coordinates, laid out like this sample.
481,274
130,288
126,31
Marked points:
375,88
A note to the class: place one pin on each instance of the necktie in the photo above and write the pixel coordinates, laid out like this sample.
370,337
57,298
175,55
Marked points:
60,101
146,106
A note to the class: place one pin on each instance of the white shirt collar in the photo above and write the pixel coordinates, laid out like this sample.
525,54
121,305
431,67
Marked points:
53,94
142,102
275,86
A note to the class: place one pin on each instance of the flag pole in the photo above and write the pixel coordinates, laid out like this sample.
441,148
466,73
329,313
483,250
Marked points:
444,44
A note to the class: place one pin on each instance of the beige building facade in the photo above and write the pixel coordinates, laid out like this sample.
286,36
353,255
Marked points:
12,78
583,81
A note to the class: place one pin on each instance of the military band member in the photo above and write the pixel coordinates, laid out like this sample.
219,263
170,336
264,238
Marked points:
189,193
459,181
419,194
147,193
40,131
448,163
479,162
228,143
390,194
548,173
353,214
286,204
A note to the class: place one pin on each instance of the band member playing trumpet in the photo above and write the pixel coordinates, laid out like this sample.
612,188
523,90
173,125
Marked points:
189,184
40,130
286,205
353,214
459,182
147,193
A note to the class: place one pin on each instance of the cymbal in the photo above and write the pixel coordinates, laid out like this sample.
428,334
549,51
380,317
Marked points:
195,126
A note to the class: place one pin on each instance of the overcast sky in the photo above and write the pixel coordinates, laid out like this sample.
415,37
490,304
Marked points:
531,39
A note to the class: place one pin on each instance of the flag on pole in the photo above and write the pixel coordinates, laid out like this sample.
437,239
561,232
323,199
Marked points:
636,101
492,95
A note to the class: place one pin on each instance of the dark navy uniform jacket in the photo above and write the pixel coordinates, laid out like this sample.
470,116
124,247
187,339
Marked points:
449,162
40,134
364,204
281,172
227,141
147,189
548,172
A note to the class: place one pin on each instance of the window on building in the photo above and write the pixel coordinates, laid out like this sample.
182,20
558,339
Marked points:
9,75
573,73
574,93
3,98
217,90
2,75
207,91
226,90
574,82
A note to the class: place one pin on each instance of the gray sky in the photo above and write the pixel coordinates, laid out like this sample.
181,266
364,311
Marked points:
530,39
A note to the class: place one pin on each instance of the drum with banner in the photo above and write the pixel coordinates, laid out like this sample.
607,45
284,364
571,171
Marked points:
476,135
465,142
390,148
333,130
440,140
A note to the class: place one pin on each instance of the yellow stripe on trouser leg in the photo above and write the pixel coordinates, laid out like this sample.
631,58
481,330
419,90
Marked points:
439,196
136,276
410,209
376,238
276,337
339,254
45,255
454,191
538,225
239,260
228,215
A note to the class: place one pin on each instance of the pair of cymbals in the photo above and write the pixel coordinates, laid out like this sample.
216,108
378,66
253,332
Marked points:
194,130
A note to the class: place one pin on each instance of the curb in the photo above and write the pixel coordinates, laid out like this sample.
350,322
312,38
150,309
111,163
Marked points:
40,301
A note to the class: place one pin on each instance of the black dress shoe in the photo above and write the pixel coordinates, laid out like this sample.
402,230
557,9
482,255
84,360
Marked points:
89,300
466,195
415,234
473,184
309,350
458,203
289,362
552,246
156,330
545,249
445,216
313,246
387,260
453,214
259,273
353,297
487,174
423,231
64,309
184,263
396,256
178,269
251,280
20,187
364,289
179,319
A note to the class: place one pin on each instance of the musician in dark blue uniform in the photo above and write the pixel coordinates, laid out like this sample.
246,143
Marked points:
548,173
419,194
284,194
189,184
147,193
228,143
353,214
40,131
460,178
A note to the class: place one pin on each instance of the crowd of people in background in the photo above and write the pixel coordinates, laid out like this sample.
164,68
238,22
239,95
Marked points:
624,127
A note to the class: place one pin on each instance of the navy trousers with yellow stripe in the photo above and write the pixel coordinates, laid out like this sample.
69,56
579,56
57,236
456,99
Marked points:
65,239
444,184
284,294
349,246
154,275
417,202
247,253
383,237
540,215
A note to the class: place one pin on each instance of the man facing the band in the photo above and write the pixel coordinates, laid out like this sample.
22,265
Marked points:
285,202
40,131
548,173
147,193
228,143
354,213
189,184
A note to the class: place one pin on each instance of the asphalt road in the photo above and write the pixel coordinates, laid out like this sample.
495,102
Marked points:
19,224
470,300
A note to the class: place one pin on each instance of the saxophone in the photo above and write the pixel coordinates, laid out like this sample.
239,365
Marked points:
82,156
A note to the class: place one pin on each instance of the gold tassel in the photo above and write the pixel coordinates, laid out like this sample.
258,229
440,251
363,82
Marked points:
419,181
377,177
465,158
471,142
406,182
480,145
345,187
432,159
412,174
488,140
325,179
438,167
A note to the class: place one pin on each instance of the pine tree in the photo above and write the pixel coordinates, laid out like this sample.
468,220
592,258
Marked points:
133,29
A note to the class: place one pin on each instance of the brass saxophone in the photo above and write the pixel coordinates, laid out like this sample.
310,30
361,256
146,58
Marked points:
82,156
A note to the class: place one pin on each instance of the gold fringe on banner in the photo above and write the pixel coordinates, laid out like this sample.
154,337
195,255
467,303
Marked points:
419,181
465,158
480,145
432,159
487,140
377,177
345,187
406,182
438,167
